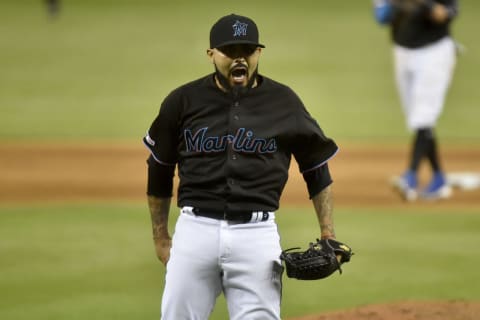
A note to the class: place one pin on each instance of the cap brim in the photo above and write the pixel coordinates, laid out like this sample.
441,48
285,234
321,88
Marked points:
223,44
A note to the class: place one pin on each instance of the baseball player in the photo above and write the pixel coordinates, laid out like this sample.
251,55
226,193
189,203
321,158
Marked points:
424,55
231,135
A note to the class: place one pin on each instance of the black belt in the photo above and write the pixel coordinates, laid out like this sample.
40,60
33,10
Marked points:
232,216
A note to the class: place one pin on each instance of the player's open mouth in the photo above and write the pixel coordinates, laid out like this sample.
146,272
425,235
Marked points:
239,74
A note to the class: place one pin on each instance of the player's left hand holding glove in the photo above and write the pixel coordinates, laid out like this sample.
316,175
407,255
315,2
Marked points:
319,261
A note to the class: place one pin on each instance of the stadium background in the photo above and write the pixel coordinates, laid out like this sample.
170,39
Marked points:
77,93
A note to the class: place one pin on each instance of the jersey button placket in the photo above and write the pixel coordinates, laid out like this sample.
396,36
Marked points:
232,129
235,105
235,118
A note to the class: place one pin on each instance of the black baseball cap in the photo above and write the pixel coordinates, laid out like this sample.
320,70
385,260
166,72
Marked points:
234,29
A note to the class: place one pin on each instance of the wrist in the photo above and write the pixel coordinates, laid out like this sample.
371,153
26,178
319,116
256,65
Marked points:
327,235
161,237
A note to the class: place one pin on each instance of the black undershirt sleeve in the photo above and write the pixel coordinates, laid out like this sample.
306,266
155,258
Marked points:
160,179
317,179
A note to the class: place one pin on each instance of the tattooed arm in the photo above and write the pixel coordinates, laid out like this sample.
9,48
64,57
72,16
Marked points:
323,204
159,210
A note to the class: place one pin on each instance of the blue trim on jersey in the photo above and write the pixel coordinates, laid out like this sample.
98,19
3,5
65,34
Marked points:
149,147
320,164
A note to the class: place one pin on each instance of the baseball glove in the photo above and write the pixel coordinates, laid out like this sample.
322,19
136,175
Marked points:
318,261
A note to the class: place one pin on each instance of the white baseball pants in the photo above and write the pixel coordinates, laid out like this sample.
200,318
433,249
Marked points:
423,76
210,256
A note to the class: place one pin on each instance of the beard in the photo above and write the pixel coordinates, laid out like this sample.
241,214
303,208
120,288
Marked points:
236,89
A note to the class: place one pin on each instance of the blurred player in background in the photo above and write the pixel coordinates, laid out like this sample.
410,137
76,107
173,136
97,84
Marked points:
424,56
53,8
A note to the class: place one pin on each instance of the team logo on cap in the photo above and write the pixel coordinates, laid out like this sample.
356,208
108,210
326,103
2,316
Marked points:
239,29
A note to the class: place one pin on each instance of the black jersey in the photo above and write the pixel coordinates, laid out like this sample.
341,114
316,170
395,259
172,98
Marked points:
233,153
417,29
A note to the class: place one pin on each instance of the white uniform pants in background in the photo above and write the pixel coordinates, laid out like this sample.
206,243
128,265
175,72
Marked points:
210,256
423,76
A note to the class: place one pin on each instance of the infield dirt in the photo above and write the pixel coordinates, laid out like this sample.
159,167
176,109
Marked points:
50,172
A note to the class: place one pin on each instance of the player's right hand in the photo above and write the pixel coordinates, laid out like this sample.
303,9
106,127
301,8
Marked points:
162,249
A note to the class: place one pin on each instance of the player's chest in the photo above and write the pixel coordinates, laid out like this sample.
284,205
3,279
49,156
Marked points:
223,123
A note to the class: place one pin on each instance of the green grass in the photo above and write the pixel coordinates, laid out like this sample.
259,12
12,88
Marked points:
72,262
101,70
97,261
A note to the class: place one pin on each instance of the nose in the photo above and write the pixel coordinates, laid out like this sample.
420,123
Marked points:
237,53
239,60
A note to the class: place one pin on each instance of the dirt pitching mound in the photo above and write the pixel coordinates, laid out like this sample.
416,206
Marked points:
411,310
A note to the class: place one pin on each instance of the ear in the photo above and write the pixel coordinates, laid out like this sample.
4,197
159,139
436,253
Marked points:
210,54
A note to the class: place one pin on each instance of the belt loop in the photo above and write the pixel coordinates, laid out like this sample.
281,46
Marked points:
258,216
265,215
188,210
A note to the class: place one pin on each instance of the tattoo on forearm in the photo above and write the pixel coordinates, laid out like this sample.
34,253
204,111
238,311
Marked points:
159,209
324,208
